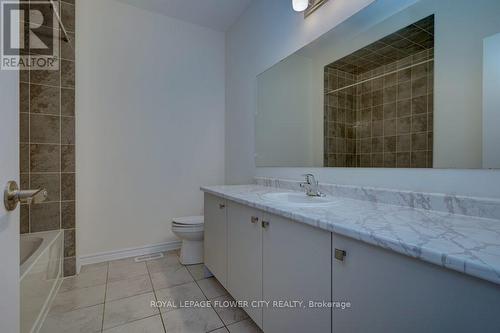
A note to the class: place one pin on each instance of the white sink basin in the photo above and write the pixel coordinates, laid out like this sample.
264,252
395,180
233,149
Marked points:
298,199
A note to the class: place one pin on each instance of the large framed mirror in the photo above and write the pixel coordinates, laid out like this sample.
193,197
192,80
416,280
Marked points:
419,89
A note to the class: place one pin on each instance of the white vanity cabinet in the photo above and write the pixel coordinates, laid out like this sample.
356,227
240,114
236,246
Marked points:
244,281
392,293
272,259
215,238
296,266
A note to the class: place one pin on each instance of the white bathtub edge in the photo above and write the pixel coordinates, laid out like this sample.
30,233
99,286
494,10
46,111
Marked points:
53,235
46,307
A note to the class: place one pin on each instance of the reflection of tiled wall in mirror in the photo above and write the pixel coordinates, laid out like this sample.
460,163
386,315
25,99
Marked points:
379,102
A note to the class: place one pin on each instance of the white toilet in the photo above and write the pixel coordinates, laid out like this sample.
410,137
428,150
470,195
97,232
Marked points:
190,231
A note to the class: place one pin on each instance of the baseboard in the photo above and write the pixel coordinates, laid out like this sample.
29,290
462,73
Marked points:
126,253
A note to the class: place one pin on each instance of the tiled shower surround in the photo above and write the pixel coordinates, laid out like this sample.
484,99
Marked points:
379,102
47,151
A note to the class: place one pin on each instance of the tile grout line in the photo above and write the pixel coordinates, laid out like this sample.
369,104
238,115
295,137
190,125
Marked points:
156,298
222,321
105,294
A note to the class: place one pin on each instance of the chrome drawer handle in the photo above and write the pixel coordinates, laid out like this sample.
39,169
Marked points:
254,219
222,206
340,254
265,224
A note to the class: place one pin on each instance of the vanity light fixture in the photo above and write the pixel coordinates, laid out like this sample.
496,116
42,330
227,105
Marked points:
307,6
300,5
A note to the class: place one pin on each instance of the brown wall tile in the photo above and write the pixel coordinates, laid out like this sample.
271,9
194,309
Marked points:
390,127
67,158
24,127
69,266
45,217
67,73
67,130
404,108
419,141
44,99
49,181
24,219
68,48
24,157
45,129
24,97
68,102
404,160
69,243
50,78
44,158
419,123
68,214
67,186
68,16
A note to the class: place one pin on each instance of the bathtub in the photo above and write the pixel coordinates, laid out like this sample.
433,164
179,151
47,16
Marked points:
40,276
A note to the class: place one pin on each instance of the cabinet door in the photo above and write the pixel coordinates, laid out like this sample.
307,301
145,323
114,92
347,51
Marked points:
215,241
245,257
296,267
392,293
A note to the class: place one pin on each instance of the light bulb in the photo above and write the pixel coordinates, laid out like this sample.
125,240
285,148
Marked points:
300,5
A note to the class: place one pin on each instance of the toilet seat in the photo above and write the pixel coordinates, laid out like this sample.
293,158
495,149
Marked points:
188,222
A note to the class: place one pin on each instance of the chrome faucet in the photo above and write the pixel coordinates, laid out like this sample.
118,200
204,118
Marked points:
312,186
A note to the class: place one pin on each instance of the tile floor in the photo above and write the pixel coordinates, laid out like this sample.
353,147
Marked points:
116,297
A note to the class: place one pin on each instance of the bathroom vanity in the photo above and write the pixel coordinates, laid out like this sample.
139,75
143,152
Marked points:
366,266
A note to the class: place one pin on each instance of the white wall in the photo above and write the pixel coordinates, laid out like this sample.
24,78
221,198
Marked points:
150,123
246,42
491,102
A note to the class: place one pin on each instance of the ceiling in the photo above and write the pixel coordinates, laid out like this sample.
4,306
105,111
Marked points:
215,14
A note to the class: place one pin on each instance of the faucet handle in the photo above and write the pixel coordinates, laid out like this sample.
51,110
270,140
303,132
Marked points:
310,179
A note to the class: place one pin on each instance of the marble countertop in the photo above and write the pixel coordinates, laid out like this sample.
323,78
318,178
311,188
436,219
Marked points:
469,245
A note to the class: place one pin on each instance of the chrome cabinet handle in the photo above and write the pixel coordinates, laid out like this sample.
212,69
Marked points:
340,254
222,206
265,224
254,219
13,195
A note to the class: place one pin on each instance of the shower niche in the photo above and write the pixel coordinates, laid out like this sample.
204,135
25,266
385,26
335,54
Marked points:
378,102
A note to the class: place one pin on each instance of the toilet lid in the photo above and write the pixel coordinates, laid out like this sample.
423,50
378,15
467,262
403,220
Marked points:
190,220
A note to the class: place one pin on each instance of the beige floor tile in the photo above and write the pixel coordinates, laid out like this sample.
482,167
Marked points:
90,278
125,269
103,266
129,309
227,310
212,288
175,295
146,325
77,298
86,320
191,320
171,277
220,330
245,326
197,271
169,261
127,288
